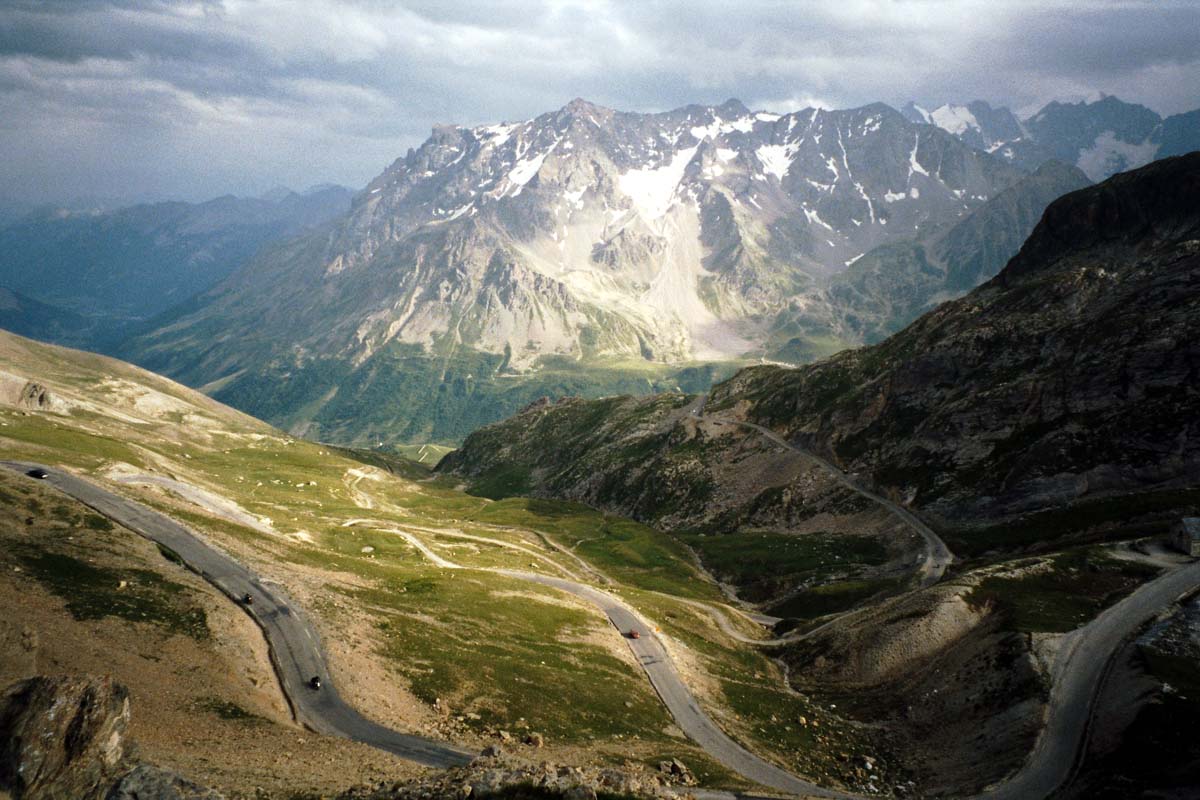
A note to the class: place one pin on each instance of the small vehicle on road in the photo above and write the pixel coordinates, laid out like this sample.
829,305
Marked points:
635,634
38,473
315,683
247,598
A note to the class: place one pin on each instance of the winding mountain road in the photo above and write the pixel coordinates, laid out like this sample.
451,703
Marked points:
297,655
937,555
1084,658
296,651
675,695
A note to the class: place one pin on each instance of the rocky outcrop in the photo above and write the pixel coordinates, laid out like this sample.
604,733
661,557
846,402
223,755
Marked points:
496,773
65,738
146,782
22,393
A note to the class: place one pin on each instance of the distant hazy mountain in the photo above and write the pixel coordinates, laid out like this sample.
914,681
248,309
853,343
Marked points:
1177,134
1101,137
135,262
498,263
977,123
28,317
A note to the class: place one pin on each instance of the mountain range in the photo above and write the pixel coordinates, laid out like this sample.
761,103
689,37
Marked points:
590,251
1101,137
587,251
1054,402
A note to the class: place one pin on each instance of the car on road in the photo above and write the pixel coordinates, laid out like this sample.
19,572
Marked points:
38,473
247,598
315,683
634,634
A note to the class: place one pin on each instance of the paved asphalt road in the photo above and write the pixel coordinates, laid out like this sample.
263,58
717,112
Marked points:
295,647
678,699
1078,681
297,655
937,554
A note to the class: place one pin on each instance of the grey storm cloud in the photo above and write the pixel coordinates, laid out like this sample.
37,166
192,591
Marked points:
191,99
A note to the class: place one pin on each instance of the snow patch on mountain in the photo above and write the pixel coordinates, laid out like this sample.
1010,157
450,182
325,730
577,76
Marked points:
526,168
720,126
652,189
496,135
921,113
776,158
1108,154
954,119
914,166
812,216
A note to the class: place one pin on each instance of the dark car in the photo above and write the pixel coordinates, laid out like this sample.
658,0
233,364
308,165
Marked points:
315,683
38,473
247,598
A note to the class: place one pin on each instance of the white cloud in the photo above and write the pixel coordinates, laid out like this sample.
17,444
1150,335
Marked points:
243,94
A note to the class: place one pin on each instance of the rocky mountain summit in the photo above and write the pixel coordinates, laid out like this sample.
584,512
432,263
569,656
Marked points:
1067,378
1101,137
490,257
1054,397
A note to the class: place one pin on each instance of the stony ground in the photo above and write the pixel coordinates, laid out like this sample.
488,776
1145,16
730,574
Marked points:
207,706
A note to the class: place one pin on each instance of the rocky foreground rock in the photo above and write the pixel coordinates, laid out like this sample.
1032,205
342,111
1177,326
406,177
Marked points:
497,774
66,738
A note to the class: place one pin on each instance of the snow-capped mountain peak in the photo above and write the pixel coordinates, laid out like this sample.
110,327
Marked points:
1100,135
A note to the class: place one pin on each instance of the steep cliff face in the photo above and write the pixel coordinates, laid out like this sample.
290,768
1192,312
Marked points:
892,285
1071,376
1055,397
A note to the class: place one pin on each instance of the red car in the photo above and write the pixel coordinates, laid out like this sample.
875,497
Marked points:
635,635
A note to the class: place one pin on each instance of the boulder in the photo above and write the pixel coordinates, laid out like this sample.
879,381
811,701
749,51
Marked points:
146,782
62,737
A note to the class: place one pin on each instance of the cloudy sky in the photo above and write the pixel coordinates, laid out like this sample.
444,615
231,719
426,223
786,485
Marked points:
153,99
